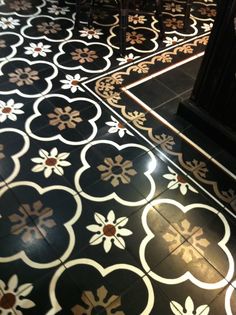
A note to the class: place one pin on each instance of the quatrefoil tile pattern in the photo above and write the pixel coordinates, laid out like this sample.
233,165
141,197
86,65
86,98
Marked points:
105,208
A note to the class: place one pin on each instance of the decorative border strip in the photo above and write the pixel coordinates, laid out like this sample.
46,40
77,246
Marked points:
110,89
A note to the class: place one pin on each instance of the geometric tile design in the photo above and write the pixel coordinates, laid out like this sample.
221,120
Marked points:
105,208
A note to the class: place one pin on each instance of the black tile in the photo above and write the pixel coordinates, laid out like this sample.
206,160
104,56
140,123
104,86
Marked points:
176,80
227,160
152,92
202,140
224,302
169,112
191,68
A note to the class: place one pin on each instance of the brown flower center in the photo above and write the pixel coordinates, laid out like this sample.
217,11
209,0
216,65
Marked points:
51,161
120,125
116,169
181,179
129,60
98,310
6,110
83,55
64,117
24,76
7,301
109,230
74,82
37,49
91,32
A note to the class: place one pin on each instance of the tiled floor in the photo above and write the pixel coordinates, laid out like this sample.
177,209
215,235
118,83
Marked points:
110,203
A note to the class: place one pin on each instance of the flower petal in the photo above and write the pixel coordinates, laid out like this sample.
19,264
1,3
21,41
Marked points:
64,163
59,171
43,153
121,133
111,124
38,160
107,244
176,308
25,303
10,102
69,77
54,152
203,310
111,217
95,240
173,185
25,289
12,117
169,176
47,172
124,232
18,105
2,285
94,228
38,168
18,111
119,242
122,221
99,218
13,282
113,130
63,156
183,189
189,304
192,189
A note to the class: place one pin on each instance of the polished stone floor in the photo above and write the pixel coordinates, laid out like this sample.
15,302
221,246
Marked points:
110,203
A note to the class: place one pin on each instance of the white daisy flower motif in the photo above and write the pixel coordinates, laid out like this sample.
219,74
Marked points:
12,297
10,110
109,231
127,58
177,181
54,9
73,83
117,127
207,27
172,40
8,23
50,162
90,33
178,309
37,49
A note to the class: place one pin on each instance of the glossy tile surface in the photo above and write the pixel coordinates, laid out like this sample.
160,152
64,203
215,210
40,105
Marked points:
109,202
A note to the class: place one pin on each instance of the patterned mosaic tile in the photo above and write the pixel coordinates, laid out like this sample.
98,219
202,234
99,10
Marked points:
105,208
